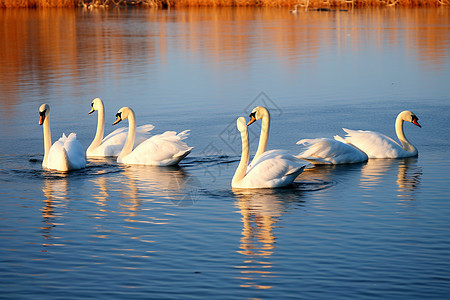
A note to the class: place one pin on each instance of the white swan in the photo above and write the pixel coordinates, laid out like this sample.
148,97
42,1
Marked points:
165,149
322,151
113,143
377,145
272,169
65,154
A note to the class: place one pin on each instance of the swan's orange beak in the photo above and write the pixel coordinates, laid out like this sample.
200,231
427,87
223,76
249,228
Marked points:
118,119
41,119
92,110
416,123
252,119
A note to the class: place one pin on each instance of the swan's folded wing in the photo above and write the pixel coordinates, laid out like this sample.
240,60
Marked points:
57,156
320,149
75,152
374,144
145,128
273,168
116,132
66,154
160,149
113,143
120,134
329,151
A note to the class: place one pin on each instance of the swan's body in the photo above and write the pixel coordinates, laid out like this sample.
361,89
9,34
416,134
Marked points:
65,154
165,149
323,151
113,143
377,145
272,169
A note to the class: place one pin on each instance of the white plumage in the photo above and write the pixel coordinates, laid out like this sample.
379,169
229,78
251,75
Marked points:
271,169
113,143
65,154
377,145
323,151
165,149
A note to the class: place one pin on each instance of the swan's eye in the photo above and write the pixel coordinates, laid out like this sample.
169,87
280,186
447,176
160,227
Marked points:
119,115
42,113
253,114
92,104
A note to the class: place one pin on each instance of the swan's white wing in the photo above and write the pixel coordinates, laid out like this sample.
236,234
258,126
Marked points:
161,150
75,152
329,151
113,143
374,144
274,168
116,132
66,154
57,157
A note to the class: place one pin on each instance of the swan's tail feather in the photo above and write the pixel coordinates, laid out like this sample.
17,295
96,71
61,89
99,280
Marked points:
295,171
340,139
183,154
145,128
184,134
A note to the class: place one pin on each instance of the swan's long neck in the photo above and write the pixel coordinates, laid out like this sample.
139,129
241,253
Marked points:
245,157
100,129
401,135
264,136
47,139
128,147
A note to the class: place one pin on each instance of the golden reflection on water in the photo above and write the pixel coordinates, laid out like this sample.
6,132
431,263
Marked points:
132,194
375,173
408,178
260,212
157,185
55,193
68,45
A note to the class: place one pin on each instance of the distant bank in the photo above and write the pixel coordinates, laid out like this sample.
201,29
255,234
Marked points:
302,4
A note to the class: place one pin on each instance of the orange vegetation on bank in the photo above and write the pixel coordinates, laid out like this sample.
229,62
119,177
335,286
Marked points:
218,3
37,3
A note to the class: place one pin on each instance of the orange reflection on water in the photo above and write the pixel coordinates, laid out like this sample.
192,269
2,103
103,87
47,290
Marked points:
69,46
260,212
55,193
376,174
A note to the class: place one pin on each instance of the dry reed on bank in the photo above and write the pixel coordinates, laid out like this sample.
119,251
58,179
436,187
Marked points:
37,3
220,3
307,3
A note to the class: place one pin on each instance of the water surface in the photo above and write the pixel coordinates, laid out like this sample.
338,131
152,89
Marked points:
374,230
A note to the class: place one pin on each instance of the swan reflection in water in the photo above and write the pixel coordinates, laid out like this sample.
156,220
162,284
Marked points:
376,173
151,184
260,210
55,193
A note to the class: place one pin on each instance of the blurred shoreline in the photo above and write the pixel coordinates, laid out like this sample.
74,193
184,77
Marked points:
301,4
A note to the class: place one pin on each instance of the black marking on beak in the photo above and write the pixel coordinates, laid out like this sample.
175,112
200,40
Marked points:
414,120
42,116
118,118
92,109
252,118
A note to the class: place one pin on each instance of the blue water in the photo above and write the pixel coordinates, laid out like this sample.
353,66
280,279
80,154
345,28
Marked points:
373,230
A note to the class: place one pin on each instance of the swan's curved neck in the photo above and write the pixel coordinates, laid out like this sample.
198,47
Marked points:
401,135
100,129
128,147
245,157
264,136
47,138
